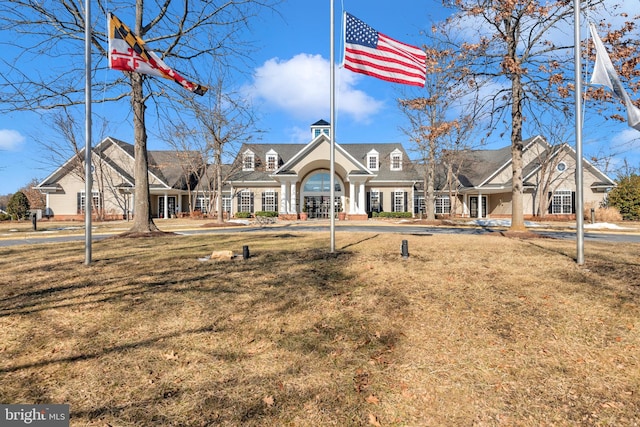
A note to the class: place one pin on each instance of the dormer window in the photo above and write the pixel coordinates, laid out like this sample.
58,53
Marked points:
248,161
372,160
272,160
320,127
396,160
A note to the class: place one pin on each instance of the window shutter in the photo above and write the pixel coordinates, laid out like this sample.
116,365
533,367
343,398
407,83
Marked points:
79,203
264,199
368,208
381,208
550,202
573,202
251,204
406,207
277,202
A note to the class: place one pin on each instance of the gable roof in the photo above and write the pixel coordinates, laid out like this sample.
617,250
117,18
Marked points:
291,154
162,165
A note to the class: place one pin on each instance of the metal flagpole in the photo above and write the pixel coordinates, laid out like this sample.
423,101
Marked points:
332,126
88,195
579,177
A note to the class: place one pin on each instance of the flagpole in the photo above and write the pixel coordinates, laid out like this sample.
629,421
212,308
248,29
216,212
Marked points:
579,177
332,121
88,194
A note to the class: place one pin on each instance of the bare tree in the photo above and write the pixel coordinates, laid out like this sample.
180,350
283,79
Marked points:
518,65
444,115
224,121
63,144
190,34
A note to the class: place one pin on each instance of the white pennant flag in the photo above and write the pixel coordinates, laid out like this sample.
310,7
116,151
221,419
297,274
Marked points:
604,74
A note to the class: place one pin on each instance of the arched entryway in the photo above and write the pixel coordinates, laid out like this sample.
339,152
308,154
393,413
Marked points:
315,196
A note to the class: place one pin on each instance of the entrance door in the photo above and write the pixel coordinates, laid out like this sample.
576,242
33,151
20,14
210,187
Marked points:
171,205
320,207
473,206
316,194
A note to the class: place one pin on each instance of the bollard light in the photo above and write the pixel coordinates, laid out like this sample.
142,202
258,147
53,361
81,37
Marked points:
245,252
405,249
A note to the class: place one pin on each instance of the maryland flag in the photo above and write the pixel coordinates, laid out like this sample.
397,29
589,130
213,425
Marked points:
127,52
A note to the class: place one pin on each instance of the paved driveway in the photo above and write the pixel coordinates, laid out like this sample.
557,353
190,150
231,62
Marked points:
320,227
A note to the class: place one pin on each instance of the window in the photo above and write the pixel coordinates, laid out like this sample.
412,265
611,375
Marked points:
271,162
245,201
375,204
562,202
562,166
372,160
396,160
226,203
399,201
320,183
443,205
96,202
270,201
418,204
248,161
319,131
202,204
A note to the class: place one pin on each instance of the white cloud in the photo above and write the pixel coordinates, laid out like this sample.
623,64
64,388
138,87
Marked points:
300,86
10,140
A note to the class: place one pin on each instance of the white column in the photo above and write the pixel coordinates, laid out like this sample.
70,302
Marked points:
293,209
166,206
284,207
479,205
352,198
361,202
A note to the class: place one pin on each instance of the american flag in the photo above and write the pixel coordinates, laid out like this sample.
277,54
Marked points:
127,52
374,54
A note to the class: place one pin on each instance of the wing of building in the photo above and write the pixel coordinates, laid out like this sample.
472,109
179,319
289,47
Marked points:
291,179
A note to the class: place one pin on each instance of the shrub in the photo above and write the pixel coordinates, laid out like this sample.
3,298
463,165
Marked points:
395,215
18,206
242,215
269,214
605,214
626,197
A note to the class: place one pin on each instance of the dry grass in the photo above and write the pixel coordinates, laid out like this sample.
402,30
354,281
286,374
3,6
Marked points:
470,330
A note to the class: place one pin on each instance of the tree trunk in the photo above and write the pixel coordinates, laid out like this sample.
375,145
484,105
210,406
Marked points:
517,205
431,173
142,219
219,191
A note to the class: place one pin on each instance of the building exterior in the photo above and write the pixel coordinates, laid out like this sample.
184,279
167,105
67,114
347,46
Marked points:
291,179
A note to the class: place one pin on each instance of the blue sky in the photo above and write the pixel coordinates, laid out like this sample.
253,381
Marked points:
290,88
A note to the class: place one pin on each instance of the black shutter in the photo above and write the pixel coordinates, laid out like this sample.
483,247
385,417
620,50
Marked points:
277,202
239,202
251,203
573,202
406,206
263,201
550,202
368,208
380,208
79,203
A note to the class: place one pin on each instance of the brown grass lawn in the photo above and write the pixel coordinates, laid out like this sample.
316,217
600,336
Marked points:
470,330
